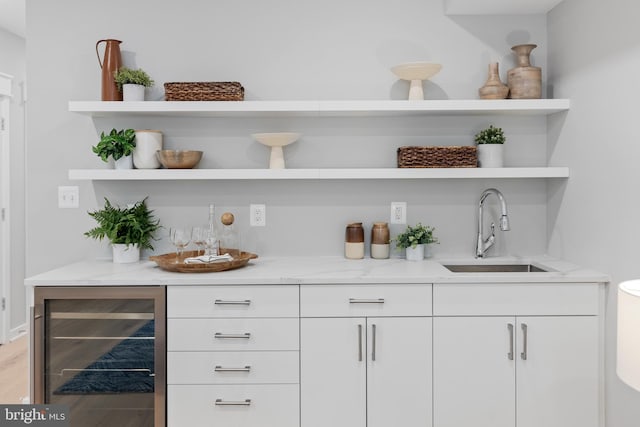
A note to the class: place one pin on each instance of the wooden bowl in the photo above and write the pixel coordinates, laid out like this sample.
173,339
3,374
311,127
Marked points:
179,159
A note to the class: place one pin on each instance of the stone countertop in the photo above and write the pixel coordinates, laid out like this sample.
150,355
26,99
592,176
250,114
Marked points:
314,270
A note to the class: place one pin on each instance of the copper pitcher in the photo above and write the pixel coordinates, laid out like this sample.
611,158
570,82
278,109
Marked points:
112,63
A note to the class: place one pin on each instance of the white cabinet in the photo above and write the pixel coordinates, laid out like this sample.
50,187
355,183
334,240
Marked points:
525,369
371,371
233,356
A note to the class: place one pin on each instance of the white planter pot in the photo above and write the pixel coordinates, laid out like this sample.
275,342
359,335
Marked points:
148,142
125,162
428,250
491,155
415,254
132,92
123,254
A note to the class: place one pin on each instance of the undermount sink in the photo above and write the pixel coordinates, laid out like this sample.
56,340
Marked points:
494,268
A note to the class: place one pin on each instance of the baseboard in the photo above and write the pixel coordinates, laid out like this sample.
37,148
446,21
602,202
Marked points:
18,332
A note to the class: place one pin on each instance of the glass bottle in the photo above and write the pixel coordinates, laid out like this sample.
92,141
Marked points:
212,242
228,237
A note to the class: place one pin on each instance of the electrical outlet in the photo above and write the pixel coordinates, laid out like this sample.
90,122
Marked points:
398,213
257,215
68,197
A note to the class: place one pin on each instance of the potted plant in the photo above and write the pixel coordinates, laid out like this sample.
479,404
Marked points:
119,145
127,229
132,83
414,239
490,147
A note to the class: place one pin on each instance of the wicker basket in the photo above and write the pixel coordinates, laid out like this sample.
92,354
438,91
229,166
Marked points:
203,91
437,157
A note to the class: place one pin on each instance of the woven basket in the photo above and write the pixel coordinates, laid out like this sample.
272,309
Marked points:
437,157
203,91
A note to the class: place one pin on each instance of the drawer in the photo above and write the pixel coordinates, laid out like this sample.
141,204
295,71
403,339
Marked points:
232,301
236,406
477,299
232,334
231,367
233,405
365,300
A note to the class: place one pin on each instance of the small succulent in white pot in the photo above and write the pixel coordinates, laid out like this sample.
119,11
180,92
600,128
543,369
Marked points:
132,83
490,147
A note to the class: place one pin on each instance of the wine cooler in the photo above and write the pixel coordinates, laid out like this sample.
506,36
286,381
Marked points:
102,352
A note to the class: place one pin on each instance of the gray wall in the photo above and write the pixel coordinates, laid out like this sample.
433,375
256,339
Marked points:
13,62
593,220
283,49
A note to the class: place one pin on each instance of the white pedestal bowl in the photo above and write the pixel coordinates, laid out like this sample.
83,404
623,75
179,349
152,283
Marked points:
276,141
416,72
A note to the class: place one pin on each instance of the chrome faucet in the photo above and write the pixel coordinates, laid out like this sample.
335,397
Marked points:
483,244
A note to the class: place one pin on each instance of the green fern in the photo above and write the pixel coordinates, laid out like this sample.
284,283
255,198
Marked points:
125,225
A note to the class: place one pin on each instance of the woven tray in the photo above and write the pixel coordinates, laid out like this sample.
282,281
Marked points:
437,157
203,91
169,262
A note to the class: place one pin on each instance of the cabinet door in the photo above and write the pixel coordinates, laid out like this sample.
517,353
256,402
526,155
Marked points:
473,373
333,372
399,372
557,382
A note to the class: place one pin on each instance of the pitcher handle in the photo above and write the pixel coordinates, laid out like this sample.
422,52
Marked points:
97,54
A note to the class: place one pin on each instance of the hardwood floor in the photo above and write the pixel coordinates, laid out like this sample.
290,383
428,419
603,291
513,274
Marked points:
13,371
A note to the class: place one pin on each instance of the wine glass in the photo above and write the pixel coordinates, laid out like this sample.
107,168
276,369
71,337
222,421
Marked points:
180,238
199,236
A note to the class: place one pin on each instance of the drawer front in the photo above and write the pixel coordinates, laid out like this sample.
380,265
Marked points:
451,299
232,334
365,300
255,406
232,301
230,367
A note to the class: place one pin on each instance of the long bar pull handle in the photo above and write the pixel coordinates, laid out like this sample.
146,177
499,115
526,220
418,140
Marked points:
220,402
232,302
523,355
510,328
220,335
359,343
366,301
373,343
219,368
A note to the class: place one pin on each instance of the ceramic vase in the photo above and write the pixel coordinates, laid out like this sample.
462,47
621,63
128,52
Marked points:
380,241
493,87
131,92
148,143
124,254
124,162
491,155
112,62
354,241
415,254
524,81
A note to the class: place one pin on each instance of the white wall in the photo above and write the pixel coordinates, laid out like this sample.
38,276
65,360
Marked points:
281,49
594,220
13,61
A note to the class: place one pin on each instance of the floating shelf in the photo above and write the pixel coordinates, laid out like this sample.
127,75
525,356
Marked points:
313,174
319,108
499,7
